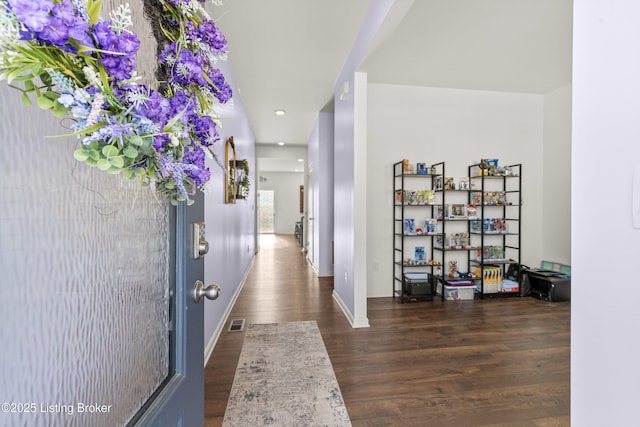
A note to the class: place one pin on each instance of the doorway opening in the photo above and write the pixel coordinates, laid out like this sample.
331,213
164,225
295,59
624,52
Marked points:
266,212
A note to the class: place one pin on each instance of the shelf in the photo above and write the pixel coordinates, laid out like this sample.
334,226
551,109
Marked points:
492,261
493,176
440,248
416,175
491,233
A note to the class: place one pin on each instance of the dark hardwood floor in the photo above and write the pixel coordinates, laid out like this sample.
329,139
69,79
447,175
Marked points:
494,362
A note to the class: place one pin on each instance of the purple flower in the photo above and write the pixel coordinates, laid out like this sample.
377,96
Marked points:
122,62
34,15
156,108
205,130
176,171
66,12
54,32
195,156
221,90
213,37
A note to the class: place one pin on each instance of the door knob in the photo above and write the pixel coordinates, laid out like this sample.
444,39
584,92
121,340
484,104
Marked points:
210,292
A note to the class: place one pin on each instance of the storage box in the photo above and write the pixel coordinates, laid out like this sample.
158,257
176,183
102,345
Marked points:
510,286
465,292
417,284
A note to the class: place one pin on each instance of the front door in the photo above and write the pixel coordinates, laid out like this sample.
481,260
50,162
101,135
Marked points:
98,324
181,401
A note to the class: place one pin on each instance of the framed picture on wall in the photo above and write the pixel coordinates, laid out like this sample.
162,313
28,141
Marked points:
302,199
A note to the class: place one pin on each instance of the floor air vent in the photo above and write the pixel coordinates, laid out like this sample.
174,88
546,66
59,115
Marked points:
236,325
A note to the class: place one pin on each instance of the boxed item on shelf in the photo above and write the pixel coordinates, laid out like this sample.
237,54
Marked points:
417,284
510,285
459,290
491,278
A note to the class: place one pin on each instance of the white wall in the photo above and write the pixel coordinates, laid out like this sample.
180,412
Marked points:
350,273
458,127
286,188
605,151
556,176
320,163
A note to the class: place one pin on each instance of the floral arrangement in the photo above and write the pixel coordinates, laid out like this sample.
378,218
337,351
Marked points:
80,66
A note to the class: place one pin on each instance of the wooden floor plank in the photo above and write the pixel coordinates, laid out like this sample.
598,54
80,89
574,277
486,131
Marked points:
492,362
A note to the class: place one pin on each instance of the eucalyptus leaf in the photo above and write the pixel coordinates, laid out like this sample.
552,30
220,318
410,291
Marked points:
117,161
135,140
130,152
103,164
80,155
128,173
110,151
95,154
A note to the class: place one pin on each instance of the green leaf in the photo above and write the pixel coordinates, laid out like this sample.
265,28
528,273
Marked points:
59,110
45,103
26,100
110,151
51,95
114,170
128,173
93,10
91,162
11,75
136,140
80,155
117,162
45,78
130,152
28,85
95,154
103,164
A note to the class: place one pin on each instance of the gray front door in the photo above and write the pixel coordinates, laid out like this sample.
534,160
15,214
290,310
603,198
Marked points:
98,326
181,402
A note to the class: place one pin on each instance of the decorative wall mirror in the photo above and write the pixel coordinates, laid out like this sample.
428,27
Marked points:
230,166
242,179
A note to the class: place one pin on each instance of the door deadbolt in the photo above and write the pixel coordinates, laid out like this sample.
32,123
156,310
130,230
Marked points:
200,244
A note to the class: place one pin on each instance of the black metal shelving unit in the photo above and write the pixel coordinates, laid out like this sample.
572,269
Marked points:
403,210
499,224
453,224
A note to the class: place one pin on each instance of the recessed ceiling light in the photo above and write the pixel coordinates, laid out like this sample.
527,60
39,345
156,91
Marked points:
281,143
280,112
301,160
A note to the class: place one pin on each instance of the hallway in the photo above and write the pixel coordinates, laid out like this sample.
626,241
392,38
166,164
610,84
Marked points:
467,363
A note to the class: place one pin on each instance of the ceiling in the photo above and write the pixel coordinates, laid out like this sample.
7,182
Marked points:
287,54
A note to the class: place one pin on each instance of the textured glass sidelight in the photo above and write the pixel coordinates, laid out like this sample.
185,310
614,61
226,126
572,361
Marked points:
84,280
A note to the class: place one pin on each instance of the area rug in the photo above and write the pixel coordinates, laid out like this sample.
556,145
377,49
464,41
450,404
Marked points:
285,378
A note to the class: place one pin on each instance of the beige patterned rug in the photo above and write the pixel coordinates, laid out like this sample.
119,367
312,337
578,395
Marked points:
285,378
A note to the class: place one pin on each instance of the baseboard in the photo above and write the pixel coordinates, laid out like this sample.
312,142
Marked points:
216,335
318,272
355,323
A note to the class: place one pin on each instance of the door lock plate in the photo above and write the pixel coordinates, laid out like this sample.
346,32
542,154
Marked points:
200,244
